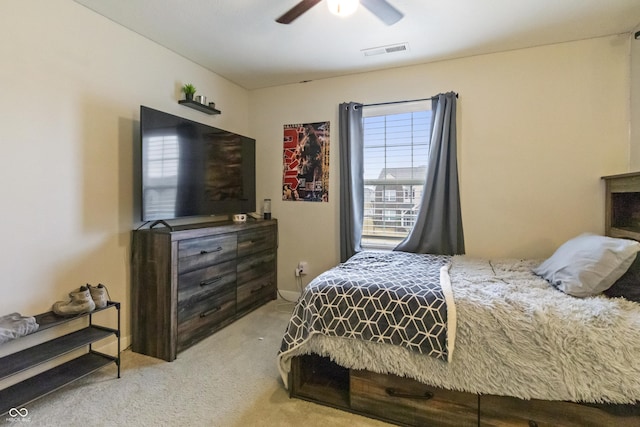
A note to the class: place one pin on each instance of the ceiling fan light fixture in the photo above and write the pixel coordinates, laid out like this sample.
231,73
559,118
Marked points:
342,8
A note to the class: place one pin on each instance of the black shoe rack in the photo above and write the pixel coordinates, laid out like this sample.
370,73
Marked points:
20,394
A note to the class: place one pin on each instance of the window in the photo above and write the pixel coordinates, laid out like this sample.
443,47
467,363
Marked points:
389,195
396,149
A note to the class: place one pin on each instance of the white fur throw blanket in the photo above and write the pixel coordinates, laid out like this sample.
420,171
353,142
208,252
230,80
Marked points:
516,336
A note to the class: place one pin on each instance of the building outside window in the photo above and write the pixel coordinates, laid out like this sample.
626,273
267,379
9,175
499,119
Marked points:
396,149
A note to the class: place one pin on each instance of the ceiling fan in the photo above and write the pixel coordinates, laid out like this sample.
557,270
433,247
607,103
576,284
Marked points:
381,8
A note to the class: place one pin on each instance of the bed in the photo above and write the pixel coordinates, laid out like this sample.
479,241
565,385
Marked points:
500,344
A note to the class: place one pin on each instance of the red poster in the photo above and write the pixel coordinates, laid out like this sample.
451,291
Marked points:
305,175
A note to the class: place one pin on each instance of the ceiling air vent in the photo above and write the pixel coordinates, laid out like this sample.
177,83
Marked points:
400,47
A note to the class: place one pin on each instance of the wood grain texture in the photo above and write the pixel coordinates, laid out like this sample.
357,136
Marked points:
319,380
152,281
409,402
405,401
256,280
622,205
185,281
200,317
496,411
205,251
198,283
254,241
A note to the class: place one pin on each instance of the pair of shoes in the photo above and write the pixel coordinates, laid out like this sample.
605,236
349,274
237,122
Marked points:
99,295
84,300
81,302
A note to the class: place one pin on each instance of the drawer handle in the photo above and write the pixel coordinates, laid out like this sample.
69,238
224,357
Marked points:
253,291
262,239
258,264
208,312
393,393
218,249
210,281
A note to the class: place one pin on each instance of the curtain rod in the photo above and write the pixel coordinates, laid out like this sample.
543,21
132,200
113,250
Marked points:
402,102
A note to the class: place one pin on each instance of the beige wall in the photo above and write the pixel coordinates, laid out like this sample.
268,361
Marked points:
537,128
72,85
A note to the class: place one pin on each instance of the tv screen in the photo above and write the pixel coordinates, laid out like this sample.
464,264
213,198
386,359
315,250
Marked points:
192,169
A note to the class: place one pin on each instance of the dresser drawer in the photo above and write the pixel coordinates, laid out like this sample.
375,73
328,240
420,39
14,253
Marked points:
199,284
202,252
256,240
199,316
256,280
409,402
206,304
256,291
256,266
510,411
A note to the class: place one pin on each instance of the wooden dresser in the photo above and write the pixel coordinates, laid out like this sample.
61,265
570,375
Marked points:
190,281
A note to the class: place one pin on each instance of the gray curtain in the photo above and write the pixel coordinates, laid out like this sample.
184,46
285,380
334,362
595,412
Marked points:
438,228
351,147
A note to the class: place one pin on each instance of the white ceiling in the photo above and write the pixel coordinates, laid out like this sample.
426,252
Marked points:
240,40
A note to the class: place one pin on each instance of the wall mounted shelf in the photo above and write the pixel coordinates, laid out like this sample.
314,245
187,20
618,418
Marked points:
198,106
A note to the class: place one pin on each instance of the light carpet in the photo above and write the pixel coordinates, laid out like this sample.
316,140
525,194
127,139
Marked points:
228,379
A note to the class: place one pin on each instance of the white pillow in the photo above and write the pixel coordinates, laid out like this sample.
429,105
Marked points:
588,264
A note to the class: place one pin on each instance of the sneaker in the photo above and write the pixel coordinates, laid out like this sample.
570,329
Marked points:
99,295
81,302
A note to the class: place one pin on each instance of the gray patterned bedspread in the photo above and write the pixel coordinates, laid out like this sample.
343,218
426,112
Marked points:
387,297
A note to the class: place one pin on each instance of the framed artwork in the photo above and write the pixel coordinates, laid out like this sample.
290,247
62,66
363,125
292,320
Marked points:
305,175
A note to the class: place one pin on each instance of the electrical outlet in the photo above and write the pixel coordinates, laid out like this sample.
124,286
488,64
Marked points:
302,268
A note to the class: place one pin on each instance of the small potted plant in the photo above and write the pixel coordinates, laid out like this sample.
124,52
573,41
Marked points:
189,90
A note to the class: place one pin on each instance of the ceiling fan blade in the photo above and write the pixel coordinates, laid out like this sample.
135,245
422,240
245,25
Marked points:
383,10
296,11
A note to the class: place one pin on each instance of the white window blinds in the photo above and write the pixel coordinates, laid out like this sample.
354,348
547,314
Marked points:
396,149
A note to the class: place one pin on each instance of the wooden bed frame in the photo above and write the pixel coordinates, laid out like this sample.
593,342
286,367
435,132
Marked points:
407,402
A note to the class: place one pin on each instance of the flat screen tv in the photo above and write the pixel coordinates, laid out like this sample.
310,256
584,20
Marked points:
191,169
